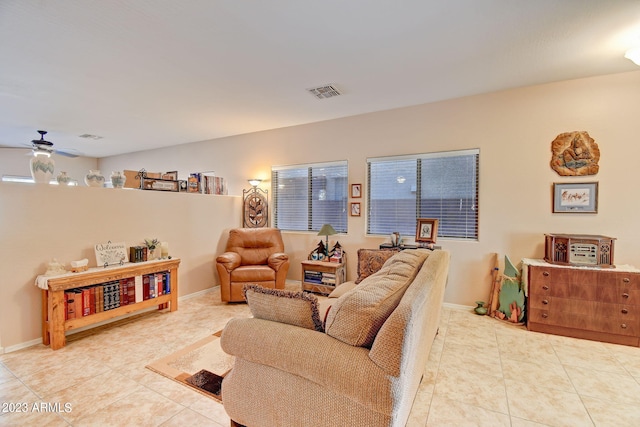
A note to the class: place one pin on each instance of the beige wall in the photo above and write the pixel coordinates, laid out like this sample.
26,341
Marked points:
41,222
16,162
513,130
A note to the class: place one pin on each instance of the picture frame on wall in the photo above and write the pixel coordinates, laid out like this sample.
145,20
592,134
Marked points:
355,209
427,230
356,191
575,197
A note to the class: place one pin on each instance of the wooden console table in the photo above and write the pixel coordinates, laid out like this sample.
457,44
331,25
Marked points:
54,324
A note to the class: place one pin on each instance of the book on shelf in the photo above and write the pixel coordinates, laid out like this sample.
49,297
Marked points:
123,295
69,299
131,290
138,288
146,287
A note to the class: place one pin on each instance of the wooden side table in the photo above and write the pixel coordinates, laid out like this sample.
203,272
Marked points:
322,277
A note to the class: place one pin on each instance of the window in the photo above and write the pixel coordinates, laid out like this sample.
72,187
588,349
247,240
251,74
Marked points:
307,196
440,185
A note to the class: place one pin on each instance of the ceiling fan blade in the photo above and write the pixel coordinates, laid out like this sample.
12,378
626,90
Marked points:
68,153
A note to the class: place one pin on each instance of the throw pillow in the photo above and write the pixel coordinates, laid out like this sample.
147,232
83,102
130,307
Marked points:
293,308
356,317
372,260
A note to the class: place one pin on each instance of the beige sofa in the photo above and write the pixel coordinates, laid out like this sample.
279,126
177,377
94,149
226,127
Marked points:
287,375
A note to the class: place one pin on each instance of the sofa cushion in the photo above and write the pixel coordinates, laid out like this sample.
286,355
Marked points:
371,260
293,308
356,317
341,289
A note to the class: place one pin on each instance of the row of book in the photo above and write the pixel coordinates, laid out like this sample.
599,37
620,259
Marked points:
206,184
319,277
88,300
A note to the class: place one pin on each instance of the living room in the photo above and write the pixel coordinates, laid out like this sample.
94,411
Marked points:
513,129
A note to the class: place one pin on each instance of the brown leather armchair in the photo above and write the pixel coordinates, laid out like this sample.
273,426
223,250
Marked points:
253,255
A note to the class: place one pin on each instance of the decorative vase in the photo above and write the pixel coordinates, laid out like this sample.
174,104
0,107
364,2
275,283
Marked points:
118,179
42,167
94,178
63,178
480,309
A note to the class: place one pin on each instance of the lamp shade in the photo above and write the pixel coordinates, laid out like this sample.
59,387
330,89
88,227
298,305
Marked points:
254,182
327,230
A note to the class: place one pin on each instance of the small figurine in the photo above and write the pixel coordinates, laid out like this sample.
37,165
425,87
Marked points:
55,268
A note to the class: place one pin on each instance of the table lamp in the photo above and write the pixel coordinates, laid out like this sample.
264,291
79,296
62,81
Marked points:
327,230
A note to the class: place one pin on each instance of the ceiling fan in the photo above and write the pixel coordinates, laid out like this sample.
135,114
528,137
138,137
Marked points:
42,145
45,147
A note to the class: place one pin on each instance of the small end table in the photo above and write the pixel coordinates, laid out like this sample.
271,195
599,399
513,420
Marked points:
322,277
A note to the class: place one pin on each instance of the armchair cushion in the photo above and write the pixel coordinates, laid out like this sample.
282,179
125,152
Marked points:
357,316
293,308
230,260
277,260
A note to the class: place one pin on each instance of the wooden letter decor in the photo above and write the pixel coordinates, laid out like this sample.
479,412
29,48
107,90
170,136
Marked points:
575,154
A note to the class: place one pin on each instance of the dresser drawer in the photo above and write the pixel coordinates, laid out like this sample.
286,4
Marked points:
626,285
612,325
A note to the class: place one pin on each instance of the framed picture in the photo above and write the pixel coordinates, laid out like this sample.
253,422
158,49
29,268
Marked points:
356,191
575,197
172,176
355,209
427,230
160,184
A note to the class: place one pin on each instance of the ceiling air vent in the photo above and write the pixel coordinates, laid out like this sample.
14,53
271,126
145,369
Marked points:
326,91
89,136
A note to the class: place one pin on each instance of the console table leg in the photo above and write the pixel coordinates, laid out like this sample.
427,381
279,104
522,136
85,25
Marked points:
174,289
56,319
45,313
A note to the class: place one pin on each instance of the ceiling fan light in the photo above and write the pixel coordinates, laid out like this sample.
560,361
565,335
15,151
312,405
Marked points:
633,55
37,152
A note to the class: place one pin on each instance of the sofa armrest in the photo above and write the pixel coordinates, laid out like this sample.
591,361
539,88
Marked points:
230,260
277,260
315,356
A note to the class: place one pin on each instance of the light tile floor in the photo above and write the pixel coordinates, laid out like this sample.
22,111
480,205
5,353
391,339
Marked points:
480,372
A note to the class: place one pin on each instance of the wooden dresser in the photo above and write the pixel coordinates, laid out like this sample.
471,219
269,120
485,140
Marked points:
601,304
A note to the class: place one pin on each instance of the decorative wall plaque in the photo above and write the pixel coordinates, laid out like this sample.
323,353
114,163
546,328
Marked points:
256,208
575,154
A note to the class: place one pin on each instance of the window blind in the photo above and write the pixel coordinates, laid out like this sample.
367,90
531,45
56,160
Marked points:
307,196
435,185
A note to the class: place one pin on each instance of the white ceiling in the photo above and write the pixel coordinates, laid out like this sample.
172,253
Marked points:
151,73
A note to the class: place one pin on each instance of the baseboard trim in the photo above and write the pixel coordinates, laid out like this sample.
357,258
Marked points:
457,306
37,341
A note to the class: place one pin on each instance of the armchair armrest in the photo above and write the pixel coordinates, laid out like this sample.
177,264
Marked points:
230,260
277,260
313,355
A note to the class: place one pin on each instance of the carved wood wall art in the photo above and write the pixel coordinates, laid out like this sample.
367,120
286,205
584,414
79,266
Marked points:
575,154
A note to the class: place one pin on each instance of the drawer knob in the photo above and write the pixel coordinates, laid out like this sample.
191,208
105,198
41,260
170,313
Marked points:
626,280
625,295
545,315
624,311
544,301
545,273
623,326
545,287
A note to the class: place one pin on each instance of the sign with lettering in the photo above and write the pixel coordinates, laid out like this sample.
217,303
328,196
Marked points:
111,254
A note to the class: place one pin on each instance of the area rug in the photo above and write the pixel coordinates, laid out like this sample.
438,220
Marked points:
201,366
